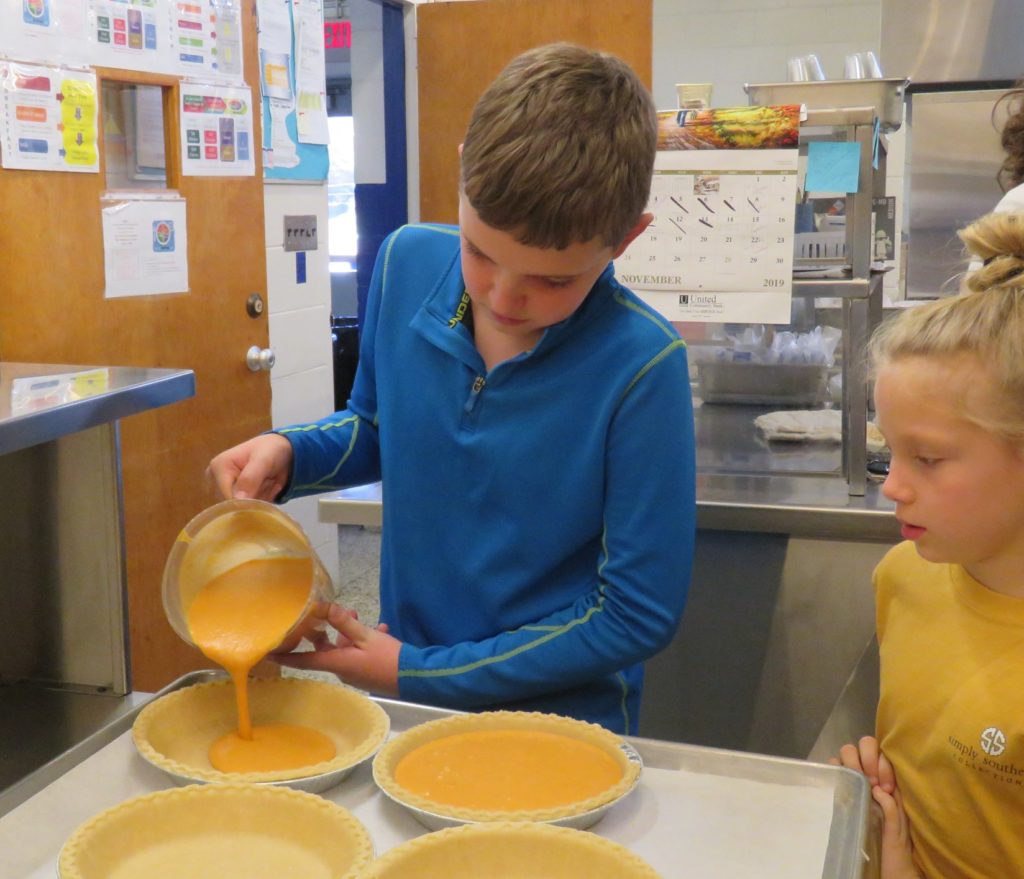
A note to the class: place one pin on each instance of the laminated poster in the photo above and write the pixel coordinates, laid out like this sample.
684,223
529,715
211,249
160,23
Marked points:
145,247
208,38
216,131
48,118
294,102
723,197
198,38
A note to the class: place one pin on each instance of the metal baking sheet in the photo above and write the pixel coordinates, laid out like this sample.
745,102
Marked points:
106,770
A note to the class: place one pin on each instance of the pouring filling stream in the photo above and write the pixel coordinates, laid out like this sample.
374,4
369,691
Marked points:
236,619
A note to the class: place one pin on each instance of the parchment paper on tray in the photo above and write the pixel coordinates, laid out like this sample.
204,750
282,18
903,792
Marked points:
817,425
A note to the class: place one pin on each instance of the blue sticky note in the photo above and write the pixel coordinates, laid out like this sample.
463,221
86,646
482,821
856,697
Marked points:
832,166
300,267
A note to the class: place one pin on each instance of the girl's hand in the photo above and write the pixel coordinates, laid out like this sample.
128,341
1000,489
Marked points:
897,849
363,657
867,758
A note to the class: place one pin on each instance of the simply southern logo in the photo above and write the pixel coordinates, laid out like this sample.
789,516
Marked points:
993,742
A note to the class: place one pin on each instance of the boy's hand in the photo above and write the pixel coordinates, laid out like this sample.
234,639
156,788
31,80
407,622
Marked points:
258,468
866,757
363,657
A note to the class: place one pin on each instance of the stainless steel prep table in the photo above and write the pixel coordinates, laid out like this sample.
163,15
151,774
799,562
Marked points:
64,665
105,770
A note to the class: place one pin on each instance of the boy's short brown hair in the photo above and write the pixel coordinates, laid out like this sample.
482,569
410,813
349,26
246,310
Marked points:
560,148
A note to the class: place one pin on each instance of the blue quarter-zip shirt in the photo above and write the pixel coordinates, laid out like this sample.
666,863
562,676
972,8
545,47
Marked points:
538,518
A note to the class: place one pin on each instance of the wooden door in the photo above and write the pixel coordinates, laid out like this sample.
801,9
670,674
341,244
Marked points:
52,309
462,46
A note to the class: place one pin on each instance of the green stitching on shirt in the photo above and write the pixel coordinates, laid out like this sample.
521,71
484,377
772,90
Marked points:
625,693
646,312
491,660
654,361
334,425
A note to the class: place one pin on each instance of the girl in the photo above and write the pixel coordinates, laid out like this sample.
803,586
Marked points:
947,766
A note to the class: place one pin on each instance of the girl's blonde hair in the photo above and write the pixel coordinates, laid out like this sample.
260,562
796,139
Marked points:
985,321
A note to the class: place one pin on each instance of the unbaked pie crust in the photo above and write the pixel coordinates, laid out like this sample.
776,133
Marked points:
510,850
175,732
224,831
389,756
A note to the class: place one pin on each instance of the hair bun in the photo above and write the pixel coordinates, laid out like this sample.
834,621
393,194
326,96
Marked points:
997,239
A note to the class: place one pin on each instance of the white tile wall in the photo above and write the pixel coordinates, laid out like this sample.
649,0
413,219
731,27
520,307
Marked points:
302,381
303,396
730,42
281,272
300,327
300,333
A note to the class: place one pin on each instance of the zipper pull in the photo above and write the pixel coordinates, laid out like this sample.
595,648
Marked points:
474,394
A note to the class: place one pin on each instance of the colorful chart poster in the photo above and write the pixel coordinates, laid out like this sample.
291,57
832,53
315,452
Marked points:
216,131
208,38
136,33
192,38
145,247
720,247
48,118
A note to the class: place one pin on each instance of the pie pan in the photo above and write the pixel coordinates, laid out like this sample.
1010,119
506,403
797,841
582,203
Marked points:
222,831
510,850
175,731
436,815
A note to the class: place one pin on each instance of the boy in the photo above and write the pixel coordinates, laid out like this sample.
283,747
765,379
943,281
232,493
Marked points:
530,420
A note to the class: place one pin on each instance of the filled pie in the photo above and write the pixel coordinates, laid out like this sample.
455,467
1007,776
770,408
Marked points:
175,732
506,765
510,850
222,831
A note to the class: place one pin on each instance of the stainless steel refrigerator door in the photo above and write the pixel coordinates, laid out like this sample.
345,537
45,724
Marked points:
953,157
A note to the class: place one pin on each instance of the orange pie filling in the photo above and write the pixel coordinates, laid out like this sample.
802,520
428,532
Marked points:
236,619
507,770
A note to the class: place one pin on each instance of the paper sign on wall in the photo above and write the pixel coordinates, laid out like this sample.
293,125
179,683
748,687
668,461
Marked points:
294,99
145,247
48,118
184,37
216,131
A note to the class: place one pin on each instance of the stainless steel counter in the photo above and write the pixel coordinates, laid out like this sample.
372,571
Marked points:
63,609
808,506
743,484
43,401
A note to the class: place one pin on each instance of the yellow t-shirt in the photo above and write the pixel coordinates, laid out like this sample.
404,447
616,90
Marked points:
951,714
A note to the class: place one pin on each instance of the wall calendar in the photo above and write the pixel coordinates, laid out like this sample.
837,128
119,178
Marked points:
720,247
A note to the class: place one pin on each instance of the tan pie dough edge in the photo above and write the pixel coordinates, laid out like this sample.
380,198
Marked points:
531,841
290,807
389,756
342,702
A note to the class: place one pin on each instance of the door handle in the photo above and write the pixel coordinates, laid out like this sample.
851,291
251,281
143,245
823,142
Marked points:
260,359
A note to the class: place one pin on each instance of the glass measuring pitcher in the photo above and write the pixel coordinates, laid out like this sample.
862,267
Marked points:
228,535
